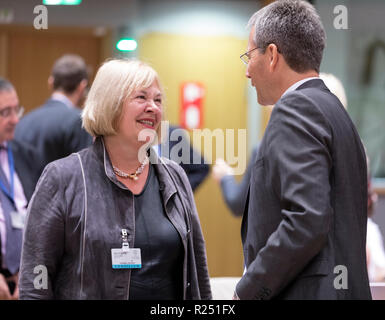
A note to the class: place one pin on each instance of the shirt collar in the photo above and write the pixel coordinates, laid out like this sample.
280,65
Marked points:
62,98
297,84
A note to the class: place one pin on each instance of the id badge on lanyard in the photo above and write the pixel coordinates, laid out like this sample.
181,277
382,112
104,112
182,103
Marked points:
126,257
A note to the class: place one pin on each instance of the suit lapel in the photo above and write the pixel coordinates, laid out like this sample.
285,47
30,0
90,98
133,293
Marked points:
245,216
21,170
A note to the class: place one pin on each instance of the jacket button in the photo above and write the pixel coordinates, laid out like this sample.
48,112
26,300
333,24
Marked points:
188,284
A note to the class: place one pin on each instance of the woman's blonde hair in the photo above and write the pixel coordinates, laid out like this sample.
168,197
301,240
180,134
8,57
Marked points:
113,84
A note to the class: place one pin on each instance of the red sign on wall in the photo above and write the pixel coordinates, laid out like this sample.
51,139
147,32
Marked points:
191,115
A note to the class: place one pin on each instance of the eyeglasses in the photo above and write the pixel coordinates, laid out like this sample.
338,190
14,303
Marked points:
246,56
7,112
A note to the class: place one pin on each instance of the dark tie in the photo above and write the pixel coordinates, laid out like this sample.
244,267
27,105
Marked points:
14,236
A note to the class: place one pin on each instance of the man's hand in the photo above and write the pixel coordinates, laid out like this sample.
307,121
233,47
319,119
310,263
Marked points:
15,279
4,290
15,295
221,169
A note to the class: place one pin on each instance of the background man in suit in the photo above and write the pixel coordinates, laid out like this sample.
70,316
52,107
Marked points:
19,168
55,127
307,201
178,148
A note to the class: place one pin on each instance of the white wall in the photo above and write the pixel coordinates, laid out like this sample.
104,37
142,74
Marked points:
208,18
109,13
201,17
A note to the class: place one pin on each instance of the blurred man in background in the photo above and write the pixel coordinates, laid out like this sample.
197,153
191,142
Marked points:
177,147
55,128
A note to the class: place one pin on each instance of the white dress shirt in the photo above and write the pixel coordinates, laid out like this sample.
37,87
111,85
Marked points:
20,199
297,84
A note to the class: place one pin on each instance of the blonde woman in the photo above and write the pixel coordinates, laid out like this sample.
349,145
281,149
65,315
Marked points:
112,222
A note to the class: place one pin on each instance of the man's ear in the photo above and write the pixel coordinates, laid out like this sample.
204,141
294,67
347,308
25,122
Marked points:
82,86
50,83
273,55
81,93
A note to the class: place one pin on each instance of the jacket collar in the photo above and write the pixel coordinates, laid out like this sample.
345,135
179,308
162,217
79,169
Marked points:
298,84
101,153
166,185
314,83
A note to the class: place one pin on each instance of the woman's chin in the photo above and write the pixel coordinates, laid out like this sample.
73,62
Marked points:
148,136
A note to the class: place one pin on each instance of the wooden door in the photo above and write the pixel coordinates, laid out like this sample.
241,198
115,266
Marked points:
27,56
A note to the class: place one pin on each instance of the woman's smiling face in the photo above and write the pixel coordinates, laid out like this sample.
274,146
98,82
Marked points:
141,110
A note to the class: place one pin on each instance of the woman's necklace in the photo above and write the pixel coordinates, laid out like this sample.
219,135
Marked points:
133,176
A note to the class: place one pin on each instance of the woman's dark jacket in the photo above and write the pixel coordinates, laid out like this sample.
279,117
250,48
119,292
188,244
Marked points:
75,218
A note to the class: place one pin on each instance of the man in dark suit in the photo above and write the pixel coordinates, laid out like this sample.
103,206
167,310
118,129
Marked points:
304,228
55,127
19,172
178,148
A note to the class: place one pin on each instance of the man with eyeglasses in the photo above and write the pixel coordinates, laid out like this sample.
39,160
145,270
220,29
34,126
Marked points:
304,225
19,172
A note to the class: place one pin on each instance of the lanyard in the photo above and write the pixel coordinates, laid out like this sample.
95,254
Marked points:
10,194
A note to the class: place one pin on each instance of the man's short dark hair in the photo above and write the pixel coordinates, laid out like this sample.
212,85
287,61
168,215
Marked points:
295,28
67,72
5,85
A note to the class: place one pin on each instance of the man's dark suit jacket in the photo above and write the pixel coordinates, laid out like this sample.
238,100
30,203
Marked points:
54,129
307,203
195,168
27,166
